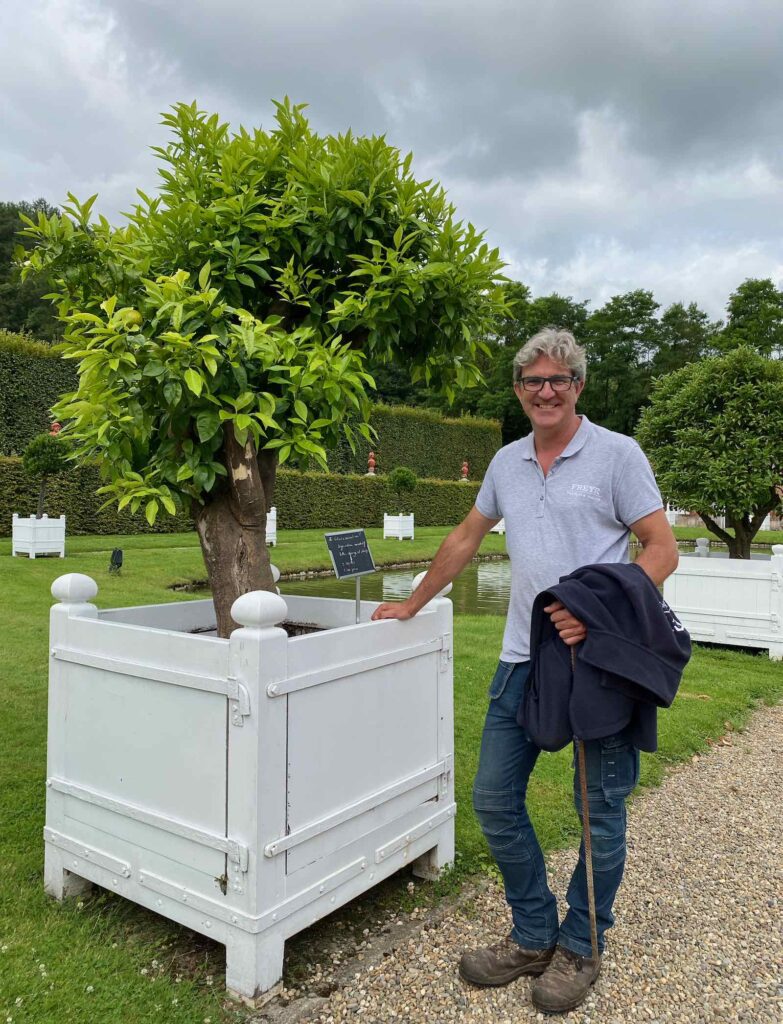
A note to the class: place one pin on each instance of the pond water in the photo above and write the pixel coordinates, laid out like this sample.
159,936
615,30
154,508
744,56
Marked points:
482,588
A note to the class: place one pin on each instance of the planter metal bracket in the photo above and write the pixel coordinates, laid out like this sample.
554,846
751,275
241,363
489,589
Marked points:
240,702
446,652
238,860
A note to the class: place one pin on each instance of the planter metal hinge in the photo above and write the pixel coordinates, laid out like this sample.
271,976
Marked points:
240,701
446,651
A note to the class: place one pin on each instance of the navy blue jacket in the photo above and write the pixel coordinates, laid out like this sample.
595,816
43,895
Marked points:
629,664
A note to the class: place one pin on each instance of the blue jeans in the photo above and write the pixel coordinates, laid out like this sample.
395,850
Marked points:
507,759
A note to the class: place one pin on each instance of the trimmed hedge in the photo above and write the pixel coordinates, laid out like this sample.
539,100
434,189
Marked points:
304,501
73,494
32,378
424,441
325,501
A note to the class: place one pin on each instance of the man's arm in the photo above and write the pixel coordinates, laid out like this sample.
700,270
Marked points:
452,556
659,555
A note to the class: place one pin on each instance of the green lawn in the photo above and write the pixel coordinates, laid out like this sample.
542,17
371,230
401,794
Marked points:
692,532
111,962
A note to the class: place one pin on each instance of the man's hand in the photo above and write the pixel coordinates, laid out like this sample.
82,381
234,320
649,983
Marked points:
571,630
393,610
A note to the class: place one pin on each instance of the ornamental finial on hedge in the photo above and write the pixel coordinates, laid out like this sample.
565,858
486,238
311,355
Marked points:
465,468
371,464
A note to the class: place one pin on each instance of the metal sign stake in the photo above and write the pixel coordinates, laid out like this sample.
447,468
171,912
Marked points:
358,599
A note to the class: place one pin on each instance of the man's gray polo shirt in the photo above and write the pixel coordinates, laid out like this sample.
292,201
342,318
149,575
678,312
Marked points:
577,515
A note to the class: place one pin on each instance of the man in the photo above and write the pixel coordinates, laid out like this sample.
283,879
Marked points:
570,492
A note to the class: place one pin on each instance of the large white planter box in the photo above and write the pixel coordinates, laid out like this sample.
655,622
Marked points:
499,527
246,787
398,527
44,536
731,600
271,527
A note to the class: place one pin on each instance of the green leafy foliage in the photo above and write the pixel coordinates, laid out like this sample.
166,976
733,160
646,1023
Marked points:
714,434
402,481
46,455
32,378
755,318
247,297
23,303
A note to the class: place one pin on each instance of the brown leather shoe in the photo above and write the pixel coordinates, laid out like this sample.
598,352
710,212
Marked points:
565,982
502,962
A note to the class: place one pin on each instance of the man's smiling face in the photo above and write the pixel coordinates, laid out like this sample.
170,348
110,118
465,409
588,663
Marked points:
548,410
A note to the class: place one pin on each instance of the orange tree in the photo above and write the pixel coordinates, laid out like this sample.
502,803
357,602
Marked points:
224,329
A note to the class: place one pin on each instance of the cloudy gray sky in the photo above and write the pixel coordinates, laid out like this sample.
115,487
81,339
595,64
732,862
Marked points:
602,146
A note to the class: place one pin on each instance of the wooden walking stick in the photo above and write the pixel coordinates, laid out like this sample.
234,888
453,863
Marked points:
582,768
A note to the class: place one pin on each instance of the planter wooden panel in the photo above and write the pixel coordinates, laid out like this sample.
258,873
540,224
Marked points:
398,527
246,787
733,601
31,536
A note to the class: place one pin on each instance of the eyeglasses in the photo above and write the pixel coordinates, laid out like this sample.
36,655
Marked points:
557,383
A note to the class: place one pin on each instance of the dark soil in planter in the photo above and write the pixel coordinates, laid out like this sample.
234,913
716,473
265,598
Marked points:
292,628
301,628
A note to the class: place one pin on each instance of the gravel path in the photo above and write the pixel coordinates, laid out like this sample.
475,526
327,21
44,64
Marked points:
699,935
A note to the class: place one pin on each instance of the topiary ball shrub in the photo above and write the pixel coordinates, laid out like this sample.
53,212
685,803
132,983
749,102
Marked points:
45,456
402,481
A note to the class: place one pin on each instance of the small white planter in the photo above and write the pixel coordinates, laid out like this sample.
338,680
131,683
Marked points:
398,527
246,787
499,527
731,601
271,527
44,536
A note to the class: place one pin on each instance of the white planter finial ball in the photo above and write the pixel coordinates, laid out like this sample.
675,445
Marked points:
441,593
259,608
74,588
275,573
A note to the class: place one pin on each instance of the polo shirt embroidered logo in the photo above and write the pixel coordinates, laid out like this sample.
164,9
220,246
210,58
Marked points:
585,491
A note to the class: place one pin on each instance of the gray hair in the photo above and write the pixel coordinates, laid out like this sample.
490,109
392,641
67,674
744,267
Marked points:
559,346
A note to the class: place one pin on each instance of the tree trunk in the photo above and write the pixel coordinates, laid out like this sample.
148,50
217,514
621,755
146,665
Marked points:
231,525
41,498
739,544
744,529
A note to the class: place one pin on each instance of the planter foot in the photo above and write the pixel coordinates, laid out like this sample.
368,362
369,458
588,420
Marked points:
431,864
59,882
254,967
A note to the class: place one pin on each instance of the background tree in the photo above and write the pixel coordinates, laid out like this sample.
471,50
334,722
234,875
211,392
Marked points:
23,307
226,327
686,335
714,434
621,339
44,457
755,318
525,316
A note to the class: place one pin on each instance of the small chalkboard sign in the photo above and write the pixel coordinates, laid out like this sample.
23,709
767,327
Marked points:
350,553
